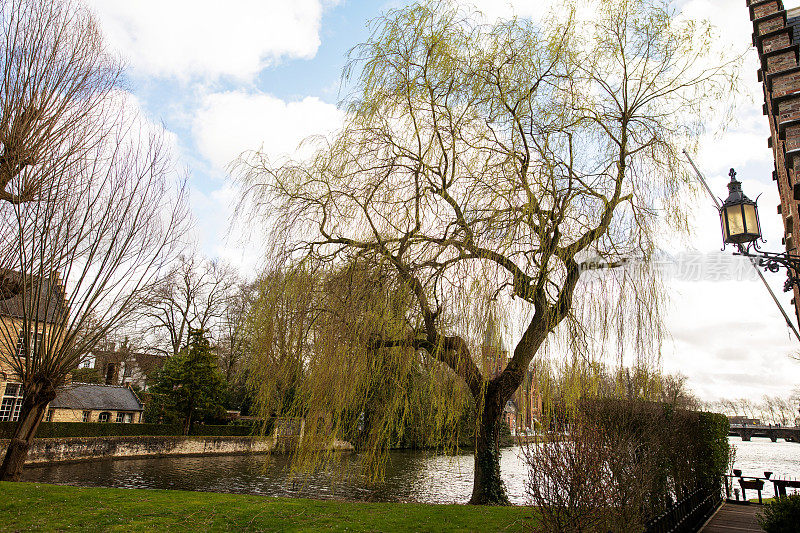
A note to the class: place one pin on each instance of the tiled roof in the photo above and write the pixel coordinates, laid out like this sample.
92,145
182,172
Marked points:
51,302
96,397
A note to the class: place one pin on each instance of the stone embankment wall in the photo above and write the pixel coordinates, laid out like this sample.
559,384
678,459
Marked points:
45,451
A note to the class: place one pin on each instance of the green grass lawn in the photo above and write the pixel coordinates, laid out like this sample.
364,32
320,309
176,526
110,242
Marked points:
39,507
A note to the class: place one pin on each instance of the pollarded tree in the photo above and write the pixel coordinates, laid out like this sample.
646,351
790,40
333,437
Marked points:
502,161
56,80
83,253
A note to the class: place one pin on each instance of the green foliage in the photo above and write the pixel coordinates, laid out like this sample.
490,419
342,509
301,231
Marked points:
230,430
53,430
781,516
86,375
711,447
50,430
421,424
190,384
506,439
39,507
481,164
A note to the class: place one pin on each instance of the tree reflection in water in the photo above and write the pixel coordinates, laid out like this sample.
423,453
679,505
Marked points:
410,476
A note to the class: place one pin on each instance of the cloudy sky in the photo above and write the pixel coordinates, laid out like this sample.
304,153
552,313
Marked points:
227,77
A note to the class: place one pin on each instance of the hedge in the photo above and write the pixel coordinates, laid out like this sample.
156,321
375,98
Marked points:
105,429
687,450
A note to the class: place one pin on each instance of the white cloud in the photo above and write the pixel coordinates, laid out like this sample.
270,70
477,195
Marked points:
230,123
206,38
731,341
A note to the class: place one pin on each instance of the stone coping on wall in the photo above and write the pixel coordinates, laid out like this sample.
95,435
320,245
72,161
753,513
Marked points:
74,449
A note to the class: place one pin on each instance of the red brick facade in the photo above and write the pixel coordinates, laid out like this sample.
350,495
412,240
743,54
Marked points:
779,51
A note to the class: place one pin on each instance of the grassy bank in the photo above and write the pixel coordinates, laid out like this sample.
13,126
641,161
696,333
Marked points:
39,507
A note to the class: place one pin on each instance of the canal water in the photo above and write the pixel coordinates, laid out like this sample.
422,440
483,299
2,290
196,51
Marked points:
761,455
410,475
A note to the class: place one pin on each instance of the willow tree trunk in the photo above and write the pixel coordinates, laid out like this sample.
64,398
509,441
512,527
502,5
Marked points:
487,487
34,404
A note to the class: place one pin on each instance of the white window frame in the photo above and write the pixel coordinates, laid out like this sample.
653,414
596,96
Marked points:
37,341
11,402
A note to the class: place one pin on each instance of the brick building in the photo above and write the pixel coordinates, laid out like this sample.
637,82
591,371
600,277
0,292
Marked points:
90,402
776,36
124,366
41,303
38,303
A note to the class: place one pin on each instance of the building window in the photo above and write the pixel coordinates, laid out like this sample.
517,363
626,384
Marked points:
12,403
86,415
50,413
104,417
35,341
120,417
111,373
128,418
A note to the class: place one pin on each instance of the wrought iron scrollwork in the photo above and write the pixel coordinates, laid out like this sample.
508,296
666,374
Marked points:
773,262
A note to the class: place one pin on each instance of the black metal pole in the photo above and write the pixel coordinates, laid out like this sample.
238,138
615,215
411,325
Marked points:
752,260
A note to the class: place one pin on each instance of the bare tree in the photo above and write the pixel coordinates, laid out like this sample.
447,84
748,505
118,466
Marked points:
675,391
194,295
595,480
56,80
84,251
234,341
770,410
500,163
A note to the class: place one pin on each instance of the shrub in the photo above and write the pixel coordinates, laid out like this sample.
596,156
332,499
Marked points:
100,429
224,430
624,463
781,516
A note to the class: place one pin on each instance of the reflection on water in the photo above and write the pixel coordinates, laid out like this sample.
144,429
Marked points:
761,454
410,476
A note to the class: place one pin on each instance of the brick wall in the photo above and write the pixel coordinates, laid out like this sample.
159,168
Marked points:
44,451
778,50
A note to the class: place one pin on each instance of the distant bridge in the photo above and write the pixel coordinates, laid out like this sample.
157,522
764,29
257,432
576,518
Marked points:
747,431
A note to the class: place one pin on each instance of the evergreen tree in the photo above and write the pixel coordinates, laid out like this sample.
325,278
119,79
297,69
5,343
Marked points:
190,384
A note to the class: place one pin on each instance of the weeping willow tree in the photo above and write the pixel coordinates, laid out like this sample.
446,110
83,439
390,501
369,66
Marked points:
508,166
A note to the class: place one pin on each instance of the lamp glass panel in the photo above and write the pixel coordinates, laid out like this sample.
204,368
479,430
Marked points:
750,219
735,221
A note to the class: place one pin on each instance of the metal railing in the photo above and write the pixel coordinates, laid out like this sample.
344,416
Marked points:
688,514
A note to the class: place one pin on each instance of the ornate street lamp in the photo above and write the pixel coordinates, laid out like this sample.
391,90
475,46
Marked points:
740,227
739,215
